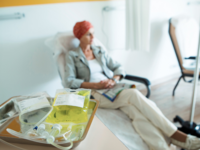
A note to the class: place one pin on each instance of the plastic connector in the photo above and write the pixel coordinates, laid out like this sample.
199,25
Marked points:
50,139
57,126
45,134
41,130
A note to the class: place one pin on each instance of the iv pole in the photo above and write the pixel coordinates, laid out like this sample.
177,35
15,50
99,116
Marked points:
190,127
196,76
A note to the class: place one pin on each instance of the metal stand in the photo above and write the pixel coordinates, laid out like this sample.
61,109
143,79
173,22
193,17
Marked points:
190,127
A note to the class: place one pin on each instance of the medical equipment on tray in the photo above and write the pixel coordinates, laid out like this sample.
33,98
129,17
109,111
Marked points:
32,111
66,120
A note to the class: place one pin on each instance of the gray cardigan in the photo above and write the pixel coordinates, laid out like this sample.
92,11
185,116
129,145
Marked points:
77,69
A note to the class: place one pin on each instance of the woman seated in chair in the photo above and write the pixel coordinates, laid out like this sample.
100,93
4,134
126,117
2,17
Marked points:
92,68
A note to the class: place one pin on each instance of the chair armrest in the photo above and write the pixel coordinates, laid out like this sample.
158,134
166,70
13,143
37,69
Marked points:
191,57
141,80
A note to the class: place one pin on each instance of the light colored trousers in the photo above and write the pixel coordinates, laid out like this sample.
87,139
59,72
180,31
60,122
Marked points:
147,119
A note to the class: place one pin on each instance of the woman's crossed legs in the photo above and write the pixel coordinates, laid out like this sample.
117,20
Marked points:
148,120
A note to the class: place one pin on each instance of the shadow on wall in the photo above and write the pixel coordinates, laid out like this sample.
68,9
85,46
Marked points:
157,33
29,68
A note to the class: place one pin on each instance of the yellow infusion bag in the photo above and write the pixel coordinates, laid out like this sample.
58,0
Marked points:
70,113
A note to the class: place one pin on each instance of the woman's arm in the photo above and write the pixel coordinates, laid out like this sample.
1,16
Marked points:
70,73
93,85
116,67
109,83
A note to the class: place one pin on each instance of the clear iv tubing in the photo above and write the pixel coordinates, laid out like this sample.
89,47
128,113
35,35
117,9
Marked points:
18,115
22,121
32,138
17,134
50,138
20,135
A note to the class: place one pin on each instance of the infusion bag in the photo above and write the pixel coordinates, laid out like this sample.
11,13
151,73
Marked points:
70,106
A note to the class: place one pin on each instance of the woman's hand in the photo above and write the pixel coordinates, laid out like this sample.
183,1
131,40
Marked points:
105,84
99,85
108,83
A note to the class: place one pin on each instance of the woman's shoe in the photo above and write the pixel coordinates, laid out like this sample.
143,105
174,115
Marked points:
192,143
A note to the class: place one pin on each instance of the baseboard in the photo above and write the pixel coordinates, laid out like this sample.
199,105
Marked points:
166,78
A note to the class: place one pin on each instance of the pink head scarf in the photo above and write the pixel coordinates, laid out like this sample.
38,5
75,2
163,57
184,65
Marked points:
81,28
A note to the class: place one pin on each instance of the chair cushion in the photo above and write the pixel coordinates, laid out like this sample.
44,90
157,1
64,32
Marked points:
66,41
189,72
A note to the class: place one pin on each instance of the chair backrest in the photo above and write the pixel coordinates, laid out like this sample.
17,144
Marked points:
183,32
175,44
60,44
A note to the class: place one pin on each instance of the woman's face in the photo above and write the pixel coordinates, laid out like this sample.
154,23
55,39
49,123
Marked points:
88,37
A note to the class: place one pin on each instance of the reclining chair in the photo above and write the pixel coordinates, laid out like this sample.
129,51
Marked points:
186,63
121,125
64,42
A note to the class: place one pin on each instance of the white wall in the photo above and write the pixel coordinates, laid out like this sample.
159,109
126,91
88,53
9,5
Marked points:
26,64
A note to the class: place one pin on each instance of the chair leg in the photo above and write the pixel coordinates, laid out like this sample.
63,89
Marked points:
176,85
148,91
189,81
